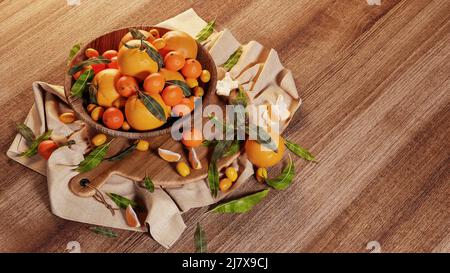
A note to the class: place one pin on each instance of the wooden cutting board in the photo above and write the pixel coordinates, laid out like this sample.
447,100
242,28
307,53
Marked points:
139,164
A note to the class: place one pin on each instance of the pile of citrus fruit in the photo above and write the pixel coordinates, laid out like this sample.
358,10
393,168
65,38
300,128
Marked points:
147,80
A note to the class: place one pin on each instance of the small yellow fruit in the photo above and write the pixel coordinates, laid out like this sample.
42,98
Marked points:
142,145
183,169
261,174
191,82
99,139
126,126
67,117
97,113
90,107
225,184
198,91
120,103
231,173
205,76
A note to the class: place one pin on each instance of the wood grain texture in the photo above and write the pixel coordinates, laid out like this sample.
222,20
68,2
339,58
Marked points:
376,108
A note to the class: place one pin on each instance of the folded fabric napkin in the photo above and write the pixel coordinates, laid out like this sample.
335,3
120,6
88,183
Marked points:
164,206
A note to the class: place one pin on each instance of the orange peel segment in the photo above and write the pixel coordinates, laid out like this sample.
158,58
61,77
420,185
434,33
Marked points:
131,217
168,155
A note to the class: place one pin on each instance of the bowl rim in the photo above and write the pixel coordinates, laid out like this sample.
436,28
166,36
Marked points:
77,103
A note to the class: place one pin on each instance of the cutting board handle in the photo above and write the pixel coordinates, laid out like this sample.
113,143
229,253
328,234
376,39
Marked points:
95,180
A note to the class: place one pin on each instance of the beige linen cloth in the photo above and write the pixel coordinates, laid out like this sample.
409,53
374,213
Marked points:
164,206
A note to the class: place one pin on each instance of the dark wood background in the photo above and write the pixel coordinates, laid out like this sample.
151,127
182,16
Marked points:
376,91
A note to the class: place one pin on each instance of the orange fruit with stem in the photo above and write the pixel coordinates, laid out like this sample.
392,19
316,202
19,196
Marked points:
192,69
192,138
91,53
174,61
154,83
126,86
109,54
172,95
263,157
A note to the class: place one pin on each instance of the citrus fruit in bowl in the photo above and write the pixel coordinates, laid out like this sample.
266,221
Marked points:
132,82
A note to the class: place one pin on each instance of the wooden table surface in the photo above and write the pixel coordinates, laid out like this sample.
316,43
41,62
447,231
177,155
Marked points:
376,90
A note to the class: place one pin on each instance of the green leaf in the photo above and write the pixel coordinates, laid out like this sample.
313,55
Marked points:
206,31
200,240
300,151
154,54
121,202
233,59
284,180
103,231
26,132
243,204
136,34
32,149
93,159
220,149
79,86
213,178
123,153
99,60
262,137
73,51
182,85
148,183
233,149
153,106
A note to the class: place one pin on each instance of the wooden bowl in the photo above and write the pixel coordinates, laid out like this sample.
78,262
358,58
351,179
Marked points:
111,41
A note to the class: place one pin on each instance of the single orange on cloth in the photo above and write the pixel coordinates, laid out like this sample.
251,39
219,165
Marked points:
113,118
109,54
263,157
46,148
126,86
192,138
174,61
154,83
172,95
192,69
131,217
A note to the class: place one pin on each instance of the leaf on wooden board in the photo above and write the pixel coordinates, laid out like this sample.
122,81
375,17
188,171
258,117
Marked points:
80,84
284,180
148,183
300,151
153,106
93,159
26,132
33,148
121,202
123,153
200,240
243,204
73,51
184,87
206,31
103,231
99,60
233,59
